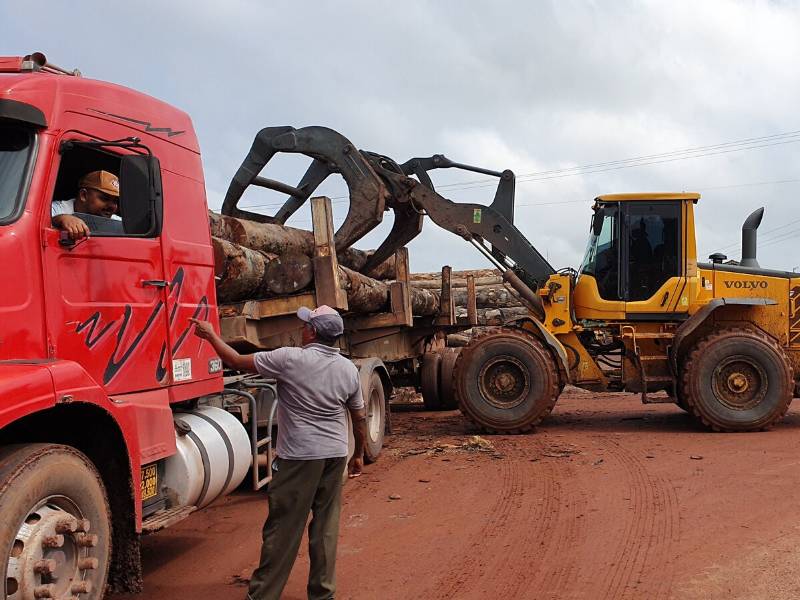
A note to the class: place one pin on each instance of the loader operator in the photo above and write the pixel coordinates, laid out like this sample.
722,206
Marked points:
98,194
316,385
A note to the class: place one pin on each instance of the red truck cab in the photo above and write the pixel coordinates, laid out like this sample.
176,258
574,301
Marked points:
95,341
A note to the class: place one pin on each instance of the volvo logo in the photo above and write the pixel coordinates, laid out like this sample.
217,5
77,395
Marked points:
747,285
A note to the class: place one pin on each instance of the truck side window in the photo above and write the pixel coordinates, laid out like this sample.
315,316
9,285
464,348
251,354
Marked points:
103,168
653,246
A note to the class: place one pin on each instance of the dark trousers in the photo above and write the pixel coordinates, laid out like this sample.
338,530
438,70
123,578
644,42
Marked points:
297,488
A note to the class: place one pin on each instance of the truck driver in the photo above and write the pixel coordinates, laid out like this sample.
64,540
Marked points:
98,194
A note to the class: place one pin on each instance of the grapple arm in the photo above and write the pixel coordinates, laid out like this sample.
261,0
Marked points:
332,153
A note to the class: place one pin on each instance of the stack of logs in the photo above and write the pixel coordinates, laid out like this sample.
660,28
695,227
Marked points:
264,260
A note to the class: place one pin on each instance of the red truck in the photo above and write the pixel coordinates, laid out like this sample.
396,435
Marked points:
112,421
115,420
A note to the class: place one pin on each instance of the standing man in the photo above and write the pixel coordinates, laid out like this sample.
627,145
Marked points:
316,385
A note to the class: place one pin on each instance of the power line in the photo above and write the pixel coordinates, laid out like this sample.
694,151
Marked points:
777,139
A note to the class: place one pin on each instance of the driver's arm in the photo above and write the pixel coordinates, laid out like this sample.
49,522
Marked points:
73,225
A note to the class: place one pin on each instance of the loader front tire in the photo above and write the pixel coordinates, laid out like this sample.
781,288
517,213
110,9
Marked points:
506,381
737,379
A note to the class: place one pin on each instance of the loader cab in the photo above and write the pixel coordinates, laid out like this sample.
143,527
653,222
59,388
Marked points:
639,255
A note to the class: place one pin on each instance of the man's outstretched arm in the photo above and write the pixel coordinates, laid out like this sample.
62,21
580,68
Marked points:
241,362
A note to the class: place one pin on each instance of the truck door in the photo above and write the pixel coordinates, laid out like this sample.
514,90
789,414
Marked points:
189,266
106,294
654,259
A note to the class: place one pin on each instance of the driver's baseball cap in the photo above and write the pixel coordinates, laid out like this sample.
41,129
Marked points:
326,321
106,182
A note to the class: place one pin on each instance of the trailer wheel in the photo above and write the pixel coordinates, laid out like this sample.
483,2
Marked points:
430,379
506,381
375,404
51,497
447,385
737,380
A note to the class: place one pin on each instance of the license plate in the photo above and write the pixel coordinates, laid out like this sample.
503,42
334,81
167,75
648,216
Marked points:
149,482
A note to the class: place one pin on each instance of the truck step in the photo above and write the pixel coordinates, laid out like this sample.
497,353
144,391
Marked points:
653,357
164,518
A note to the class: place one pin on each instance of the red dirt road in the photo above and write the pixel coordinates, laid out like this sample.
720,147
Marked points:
609,499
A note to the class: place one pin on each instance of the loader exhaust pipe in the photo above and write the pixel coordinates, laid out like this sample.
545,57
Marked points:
749,246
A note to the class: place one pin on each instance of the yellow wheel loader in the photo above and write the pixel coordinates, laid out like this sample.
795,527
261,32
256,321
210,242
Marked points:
640,314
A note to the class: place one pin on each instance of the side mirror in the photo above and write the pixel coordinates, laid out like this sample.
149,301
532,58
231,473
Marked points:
597,220
140,195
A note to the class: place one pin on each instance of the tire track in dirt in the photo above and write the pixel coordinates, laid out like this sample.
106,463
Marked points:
524,550
643,562
561,579
499,552
468,567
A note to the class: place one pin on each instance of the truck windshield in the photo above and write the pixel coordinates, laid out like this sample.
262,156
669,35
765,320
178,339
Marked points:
602,255
16,144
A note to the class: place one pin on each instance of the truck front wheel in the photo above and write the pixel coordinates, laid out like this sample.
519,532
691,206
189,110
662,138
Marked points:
55,527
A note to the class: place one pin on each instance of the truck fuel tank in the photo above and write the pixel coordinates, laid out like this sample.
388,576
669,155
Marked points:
213,457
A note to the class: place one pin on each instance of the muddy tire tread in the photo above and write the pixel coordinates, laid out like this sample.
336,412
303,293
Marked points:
703,345
526,338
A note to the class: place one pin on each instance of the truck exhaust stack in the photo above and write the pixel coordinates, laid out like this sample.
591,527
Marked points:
749,247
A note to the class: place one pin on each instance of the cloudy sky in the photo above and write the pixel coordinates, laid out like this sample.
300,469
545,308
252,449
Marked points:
664,96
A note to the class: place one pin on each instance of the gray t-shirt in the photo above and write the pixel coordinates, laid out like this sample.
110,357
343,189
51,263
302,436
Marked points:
316,385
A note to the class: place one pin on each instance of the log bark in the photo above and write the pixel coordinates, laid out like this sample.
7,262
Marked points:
456,275
247,274
495,316
280,240
488,297
368,295
436,284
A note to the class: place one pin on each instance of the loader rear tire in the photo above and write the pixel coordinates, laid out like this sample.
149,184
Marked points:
506,381
737,379
430,380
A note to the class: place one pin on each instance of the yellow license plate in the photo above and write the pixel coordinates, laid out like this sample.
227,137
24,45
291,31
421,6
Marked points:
149,482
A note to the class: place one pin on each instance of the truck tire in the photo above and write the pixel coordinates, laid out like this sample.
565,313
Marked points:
737,379
506,381
430,380
447,389
56,521
375,404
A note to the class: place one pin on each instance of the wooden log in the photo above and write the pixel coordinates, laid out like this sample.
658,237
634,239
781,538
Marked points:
245,274
435,284
489,297
368,295
457,275
280,240
493,316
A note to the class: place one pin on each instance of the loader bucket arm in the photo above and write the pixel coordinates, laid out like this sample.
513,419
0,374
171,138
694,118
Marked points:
331,153
478,224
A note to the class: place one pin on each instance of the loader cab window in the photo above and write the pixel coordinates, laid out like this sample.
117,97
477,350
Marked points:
16,152
602,260
653,246
137,212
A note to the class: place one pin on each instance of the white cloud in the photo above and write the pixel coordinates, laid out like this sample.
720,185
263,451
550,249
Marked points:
531,86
